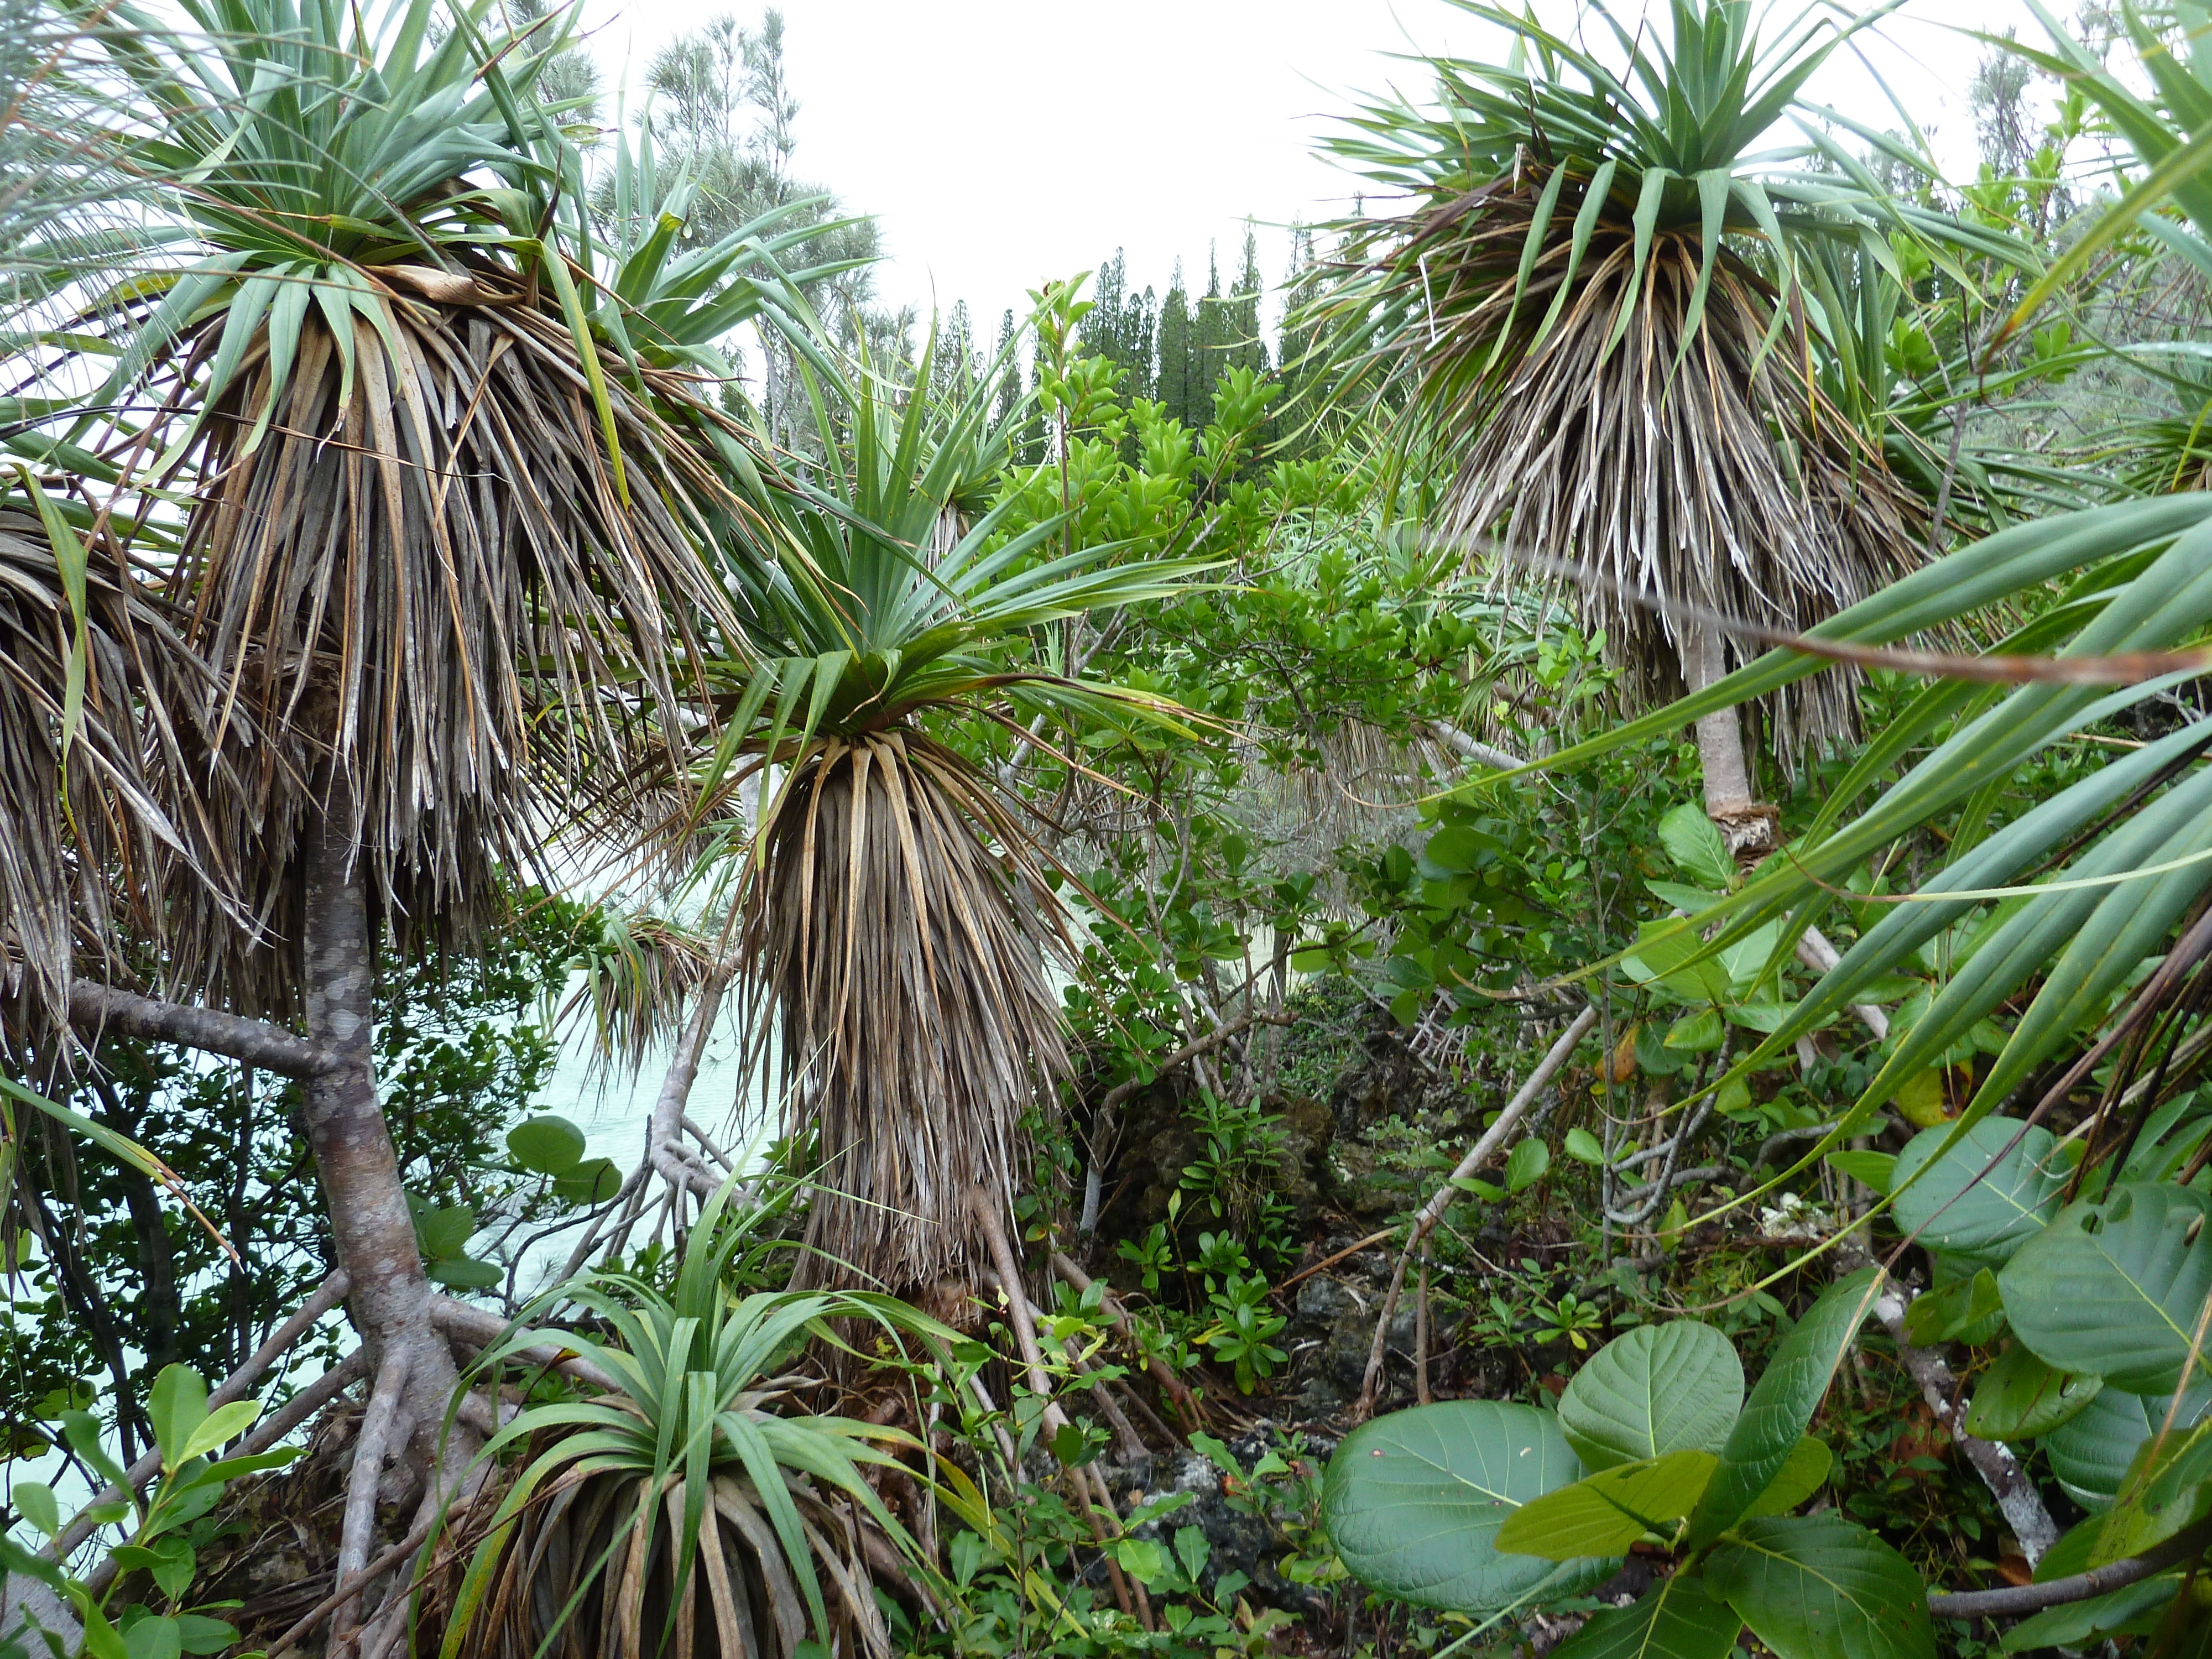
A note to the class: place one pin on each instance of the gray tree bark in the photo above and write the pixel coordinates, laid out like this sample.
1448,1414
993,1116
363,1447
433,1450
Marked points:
390,1298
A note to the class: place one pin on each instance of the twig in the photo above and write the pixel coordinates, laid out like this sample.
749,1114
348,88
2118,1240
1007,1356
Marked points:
2014,1600
352,1587
1328,1261
1433,1211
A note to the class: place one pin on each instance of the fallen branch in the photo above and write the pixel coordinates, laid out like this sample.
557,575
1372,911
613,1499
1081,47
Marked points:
1433,1212
236,1386
102,1007
2016,1600
1009,1268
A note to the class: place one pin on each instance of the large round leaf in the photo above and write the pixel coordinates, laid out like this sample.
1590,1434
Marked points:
545,1144
593,1181
1660,1389
2089,1453
1414,1500
2114,1288
1983,1221
1819,1588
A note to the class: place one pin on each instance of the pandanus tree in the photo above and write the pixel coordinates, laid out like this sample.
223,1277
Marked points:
896,914
1592,314
442,474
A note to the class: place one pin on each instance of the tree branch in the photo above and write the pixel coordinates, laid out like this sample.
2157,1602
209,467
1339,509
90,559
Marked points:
2016,1600
480,1327
103,1007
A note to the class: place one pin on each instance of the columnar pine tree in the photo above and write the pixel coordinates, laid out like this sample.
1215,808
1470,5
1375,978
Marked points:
1172,382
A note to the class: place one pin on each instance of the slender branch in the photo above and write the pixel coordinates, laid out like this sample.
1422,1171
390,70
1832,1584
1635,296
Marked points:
1816,953
481,1327
1011,1287
236,1386
1433,1212
1190,1051
2014,1600
103,1007
667,1151
2001,1471
1170,1384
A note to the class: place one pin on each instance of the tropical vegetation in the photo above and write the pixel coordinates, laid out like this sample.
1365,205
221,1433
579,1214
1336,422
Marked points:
1500,948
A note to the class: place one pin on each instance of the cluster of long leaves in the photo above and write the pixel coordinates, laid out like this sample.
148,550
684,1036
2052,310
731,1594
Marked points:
694,1500
1629,340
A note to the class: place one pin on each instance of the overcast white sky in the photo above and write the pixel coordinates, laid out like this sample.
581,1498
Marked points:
1001,142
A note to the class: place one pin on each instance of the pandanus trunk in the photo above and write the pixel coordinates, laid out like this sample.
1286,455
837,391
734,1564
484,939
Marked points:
1730,801
370,1225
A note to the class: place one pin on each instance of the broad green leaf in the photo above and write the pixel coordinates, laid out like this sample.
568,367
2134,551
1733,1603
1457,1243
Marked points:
1662,956
2020,1397
1604,1513
35,1502
1675,1620
224,1424
1583,1146
1526,1164
2084,1624
154,1637
175,1407
198,1633
545,1144
1816,1587
446,1232
1783,1403
1141,1557
1949,1314
1414,1501
1805,1473
1695,844
2090,1452
1874,1170
1982,1197
2116,1287
1697,1034
594,1180
2168,1485
1657,1389
462,1272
